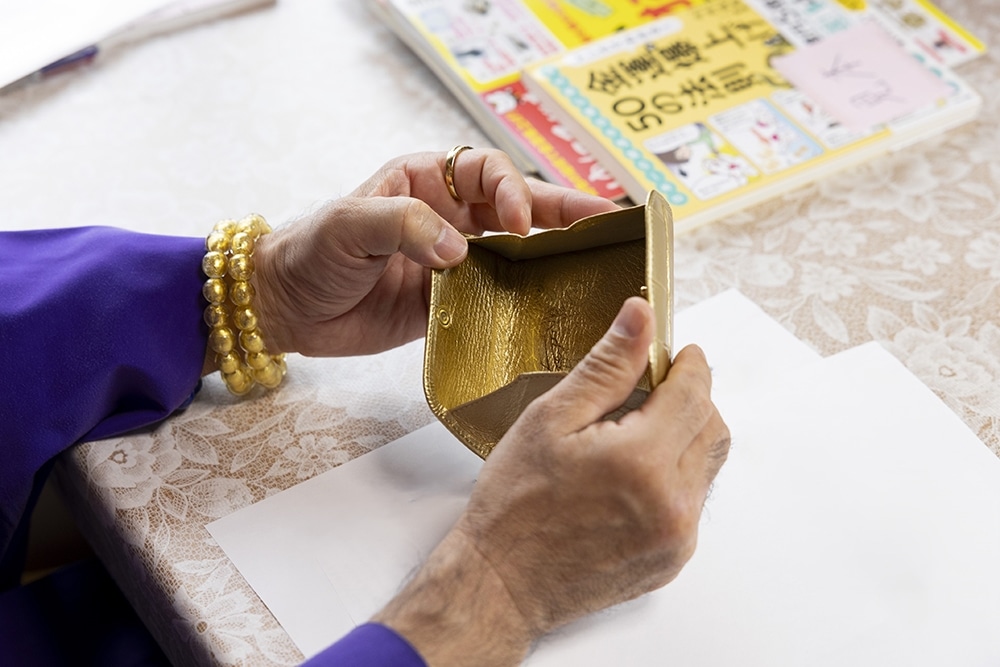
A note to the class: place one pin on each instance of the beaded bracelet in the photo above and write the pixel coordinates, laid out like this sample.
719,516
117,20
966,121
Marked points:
228,263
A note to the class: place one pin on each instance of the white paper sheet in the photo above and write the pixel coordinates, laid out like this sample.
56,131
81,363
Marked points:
744,346
37,33
856,522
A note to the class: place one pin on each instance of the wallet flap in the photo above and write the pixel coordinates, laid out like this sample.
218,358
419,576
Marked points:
597,230
660,283
486,419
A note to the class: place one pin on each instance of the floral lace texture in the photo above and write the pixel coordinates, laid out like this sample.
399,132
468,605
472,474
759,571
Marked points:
904,249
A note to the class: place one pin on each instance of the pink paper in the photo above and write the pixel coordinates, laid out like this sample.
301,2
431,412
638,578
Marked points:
862,77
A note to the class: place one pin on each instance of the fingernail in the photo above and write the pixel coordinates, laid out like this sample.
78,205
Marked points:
450,245
629,322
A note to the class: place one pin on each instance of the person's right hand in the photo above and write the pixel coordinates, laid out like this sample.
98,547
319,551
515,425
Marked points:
572,513
353,277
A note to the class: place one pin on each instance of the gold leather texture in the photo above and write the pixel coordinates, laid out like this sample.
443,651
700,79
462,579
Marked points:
519,312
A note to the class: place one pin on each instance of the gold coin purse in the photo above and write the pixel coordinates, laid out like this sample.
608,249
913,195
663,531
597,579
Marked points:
519,312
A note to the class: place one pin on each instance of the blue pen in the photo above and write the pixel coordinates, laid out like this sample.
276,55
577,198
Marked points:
174,15
72,61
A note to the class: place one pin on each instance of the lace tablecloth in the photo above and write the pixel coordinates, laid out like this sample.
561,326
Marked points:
277,110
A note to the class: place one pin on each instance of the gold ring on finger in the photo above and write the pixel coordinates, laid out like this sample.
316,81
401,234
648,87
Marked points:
449,170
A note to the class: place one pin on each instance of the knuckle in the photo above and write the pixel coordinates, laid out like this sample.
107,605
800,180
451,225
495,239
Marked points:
417,222
679,521
495,154
344,207
497,162
619,464
718,453
696,403
723,442
413,212
538,411
491,157
602,364
694,411
540,417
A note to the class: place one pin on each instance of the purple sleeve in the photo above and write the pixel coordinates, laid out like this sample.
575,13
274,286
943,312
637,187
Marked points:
369,645
100,333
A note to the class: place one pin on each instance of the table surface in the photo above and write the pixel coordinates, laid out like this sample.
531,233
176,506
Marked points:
279,110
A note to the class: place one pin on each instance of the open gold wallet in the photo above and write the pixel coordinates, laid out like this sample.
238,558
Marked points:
520,311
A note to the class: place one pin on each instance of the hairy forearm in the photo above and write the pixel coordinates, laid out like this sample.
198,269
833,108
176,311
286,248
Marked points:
457,611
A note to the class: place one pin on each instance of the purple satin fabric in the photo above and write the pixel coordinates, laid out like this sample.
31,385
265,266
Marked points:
369,645
101,333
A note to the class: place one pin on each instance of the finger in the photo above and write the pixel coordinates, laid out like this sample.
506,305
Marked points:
686,389
382,226
555,206
488,176
606,377
703,459
552,206
697,429
495,195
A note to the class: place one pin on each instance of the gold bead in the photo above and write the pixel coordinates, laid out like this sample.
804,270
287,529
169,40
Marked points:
254,224
229,363
230,249
251,340
242,244
242,293
218,242
239,382
258,360
249,225
214,290
262,224
270,375
241,267
221,340
245,318
213,264
216,315
227,227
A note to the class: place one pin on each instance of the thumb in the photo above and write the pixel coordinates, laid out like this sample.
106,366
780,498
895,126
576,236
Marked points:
386,225
606,377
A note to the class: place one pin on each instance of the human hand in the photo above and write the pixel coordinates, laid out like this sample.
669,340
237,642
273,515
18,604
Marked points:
572,513
353,277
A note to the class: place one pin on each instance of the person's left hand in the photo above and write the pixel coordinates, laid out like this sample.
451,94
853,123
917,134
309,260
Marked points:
572,512
353,277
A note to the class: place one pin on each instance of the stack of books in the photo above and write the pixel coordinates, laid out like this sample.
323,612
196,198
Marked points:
718,104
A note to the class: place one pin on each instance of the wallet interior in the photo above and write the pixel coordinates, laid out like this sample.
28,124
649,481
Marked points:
519,312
